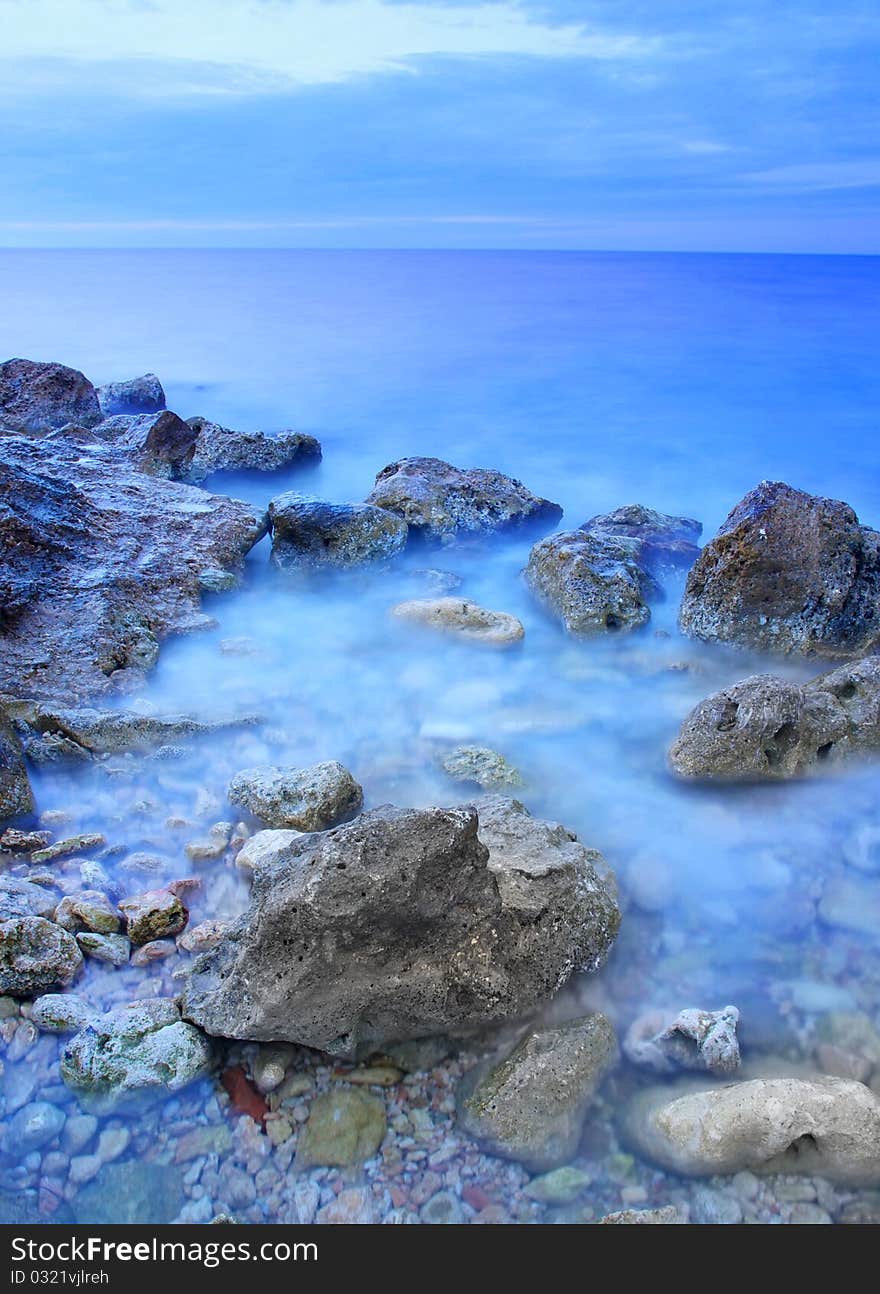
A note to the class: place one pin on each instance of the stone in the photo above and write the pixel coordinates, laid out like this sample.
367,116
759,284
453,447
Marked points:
24,899
35,956
299,799
31,1128
129,1193
369,1076
462,618
404,924
114,732
23,842
154,951
65,848
788,572
61,1013
481,765
667,1216
16,796
141,1046
113,949
198,939
442,1209
308,533
206,1139
137,395
693,1039
530,1107
853,1032
345,1127
665,541
593,583
87,910
352,1207
270,1066
160,444
78,1132
715,1208
155,914
560,1186
768,728
35,397
220,449
824,1127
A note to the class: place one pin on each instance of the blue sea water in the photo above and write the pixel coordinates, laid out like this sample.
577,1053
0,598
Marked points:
678,381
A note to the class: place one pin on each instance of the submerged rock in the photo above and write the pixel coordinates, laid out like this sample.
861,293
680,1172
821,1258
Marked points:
31,1128
531,1106
344,1128
481,765
404,924
104,732
787,572
220,449
463,618
36,397
144,1045
302,799
61,1013
822,1127
35,956
766,727
665,541
592,582
129,1193
137,395
693,1039
443,503
310,533
16,796
19,898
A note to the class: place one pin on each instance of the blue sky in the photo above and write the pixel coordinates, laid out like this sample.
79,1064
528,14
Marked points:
712,125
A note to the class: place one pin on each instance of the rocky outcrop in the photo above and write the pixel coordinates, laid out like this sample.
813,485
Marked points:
99,562
36,956
34,397
766,727
309,533
591,582
788,572
138,395
144,1045
16,796
817,1127
302,799
403,924
442,503
161,444
220,449
531,1106
463,619
692,1039
665,541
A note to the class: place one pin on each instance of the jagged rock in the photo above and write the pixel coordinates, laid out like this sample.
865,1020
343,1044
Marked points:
35,956
481,765
302,799
161,444
70,845
816,1127
403,924
693,1039
664,540
766,727
87,910
138,395
155,914
444,503
344,1128
310,533
144,1045
592,582
113,949
16,796
104,732
787,572
220,449
462,618
35,396
19,898
98,562
531,1106
23,842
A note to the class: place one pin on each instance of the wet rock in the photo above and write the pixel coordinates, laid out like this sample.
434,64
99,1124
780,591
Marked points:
463,618
23,842
35,397
35,956
145,1045
220,449
61,1013
31,1128
113,949
269,1067
766,727
561,1186
137,395
309,533
344,1128
481,765
693,1039
403,924
24,899
89,910
65,848
155,914
352,1207
301,799
665,541
530,1107
16,796
129,1193
369,1076
110,732
198,939
160,444
592,582
444,503
667,1216
787,572
442,1209
99,562
155,951
825,1127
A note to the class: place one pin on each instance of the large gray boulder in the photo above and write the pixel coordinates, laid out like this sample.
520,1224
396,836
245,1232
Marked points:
144,1045
16,796
592,582
788,572
36,956
302,799
137,395
35,397
767,727
310,533
443,503
403,924
221,449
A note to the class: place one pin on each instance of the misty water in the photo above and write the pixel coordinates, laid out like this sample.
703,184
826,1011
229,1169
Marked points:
679,382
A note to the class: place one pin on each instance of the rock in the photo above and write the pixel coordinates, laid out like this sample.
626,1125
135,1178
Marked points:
99,562
667,1216
479,764
219,449
442,1209
853,1032
114,949
715,1208
110,732
89,910
129,1193
23,842
345,1127
592,582
198,939
665,541
308,533
31,1128
404,924
693,1039
160,444
787,572
138,395
16,796
35,396
155,914
825,1127
270,1066
442,503
766,727
352,1207
463,618
36,955
61,1013
206,1139
561,1186
155,951
24,899
64,848
301,799
144,1045
369,1076
530,1107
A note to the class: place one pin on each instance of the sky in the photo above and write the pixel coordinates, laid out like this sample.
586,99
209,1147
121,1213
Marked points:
723,125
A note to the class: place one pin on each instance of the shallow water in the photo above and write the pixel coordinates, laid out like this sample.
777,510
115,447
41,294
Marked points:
599,380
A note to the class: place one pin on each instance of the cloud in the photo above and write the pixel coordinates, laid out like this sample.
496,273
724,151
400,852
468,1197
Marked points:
818,177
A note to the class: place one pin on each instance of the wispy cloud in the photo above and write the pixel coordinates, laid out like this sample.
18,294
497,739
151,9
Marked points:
818,177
